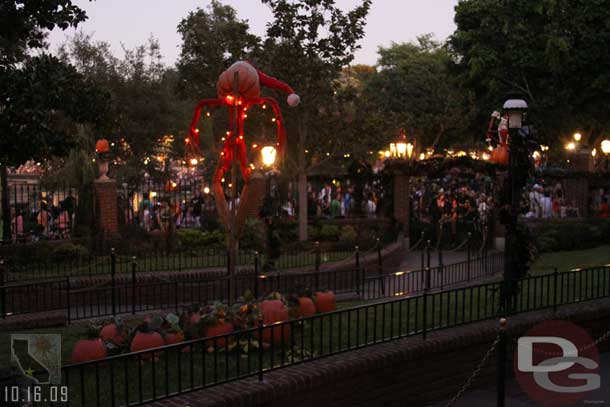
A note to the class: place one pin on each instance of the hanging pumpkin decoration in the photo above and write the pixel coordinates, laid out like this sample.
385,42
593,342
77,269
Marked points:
249,81
500,155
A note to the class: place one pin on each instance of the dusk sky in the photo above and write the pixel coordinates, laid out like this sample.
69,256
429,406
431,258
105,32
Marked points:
132,22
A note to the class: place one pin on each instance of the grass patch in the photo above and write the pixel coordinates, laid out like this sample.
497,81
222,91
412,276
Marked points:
565,261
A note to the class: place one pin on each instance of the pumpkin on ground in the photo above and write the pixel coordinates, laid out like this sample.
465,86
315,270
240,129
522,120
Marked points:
275,311
144,340
113,334
326,301
88,349
220,328
306,307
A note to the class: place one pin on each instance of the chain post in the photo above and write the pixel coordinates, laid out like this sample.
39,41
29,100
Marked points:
555,281
261,351
428,253
425,311
318,256
502,354
3,288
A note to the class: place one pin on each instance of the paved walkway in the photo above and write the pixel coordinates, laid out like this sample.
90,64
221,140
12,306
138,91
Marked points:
517,398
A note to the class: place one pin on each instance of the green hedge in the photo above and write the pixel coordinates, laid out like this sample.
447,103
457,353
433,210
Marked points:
553,236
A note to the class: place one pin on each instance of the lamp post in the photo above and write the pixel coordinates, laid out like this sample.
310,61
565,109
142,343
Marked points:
403,150
267,164
518,168
605,146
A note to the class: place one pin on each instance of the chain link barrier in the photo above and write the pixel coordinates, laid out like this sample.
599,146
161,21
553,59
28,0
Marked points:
475,373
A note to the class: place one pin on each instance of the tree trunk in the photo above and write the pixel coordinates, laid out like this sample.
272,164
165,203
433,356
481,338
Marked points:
302,180
6,210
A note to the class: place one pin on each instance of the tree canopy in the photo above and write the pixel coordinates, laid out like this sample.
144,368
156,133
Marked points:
554,52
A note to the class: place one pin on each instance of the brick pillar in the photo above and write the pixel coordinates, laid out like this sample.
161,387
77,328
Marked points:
402,204
106,206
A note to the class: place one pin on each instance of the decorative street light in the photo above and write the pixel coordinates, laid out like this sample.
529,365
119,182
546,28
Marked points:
401,148
268,156
605,146
577,137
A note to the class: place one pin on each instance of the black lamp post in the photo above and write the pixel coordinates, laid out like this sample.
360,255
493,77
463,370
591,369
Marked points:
518,169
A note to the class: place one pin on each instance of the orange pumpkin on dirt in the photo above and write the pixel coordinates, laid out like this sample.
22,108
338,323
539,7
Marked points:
111,333
147,340
88,349
221,328
306,307
275,311
326,301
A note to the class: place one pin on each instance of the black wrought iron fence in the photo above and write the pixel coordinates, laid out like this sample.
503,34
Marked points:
154,374
136,292
38,212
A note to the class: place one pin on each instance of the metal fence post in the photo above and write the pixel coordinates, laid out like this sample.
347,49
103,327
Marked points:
2,288
256,268
113,279
502,353
261,351
428,253
176,294
318,256
357,270
555,278
133,284
425,311
68,305
468,244
440,266
379,258
427,274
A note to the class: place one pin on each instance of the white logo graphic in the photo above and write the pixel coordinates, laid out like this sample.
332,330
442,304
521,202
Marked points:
525,363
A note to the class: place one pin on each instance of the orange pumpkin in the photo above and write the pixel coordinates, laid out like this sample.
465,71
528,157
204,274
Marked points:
147,340
221,328
102,146
326,301
275,311
499,155
248,81
110,333
174,338
88,349
306,307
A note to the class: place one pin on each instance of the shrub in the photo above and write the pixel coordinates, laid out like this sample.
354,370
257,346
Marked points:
192,239
348,234
569,235
253,236
69,252
329,232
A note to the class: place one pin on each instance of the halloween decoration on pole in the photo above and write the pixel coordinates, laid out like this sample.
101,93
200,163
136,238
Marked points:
238,89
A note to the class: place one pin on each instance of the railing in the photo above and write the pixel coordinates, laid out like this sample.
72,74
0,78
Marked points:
123,294
154,261
137,378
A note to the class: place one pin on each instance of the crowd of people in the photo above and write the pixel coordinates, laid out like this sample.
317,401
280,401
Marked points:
549,202
43,221
452,202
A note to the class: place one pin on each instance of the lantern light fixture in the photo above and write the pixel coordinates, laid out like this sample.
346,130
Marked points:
577,137
268,155
605,145
515,108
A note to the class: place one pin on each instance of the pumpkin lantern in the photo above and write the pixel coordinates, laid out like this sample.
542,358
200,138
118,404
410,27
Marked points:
88,349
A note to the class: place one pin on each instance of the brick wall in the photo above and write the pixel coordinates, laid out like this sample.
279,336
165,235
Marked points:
409,372
106,206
